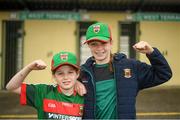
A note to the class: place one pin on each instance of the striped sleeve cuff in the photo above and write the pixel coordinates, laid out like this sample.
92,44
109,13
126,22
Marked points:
23,100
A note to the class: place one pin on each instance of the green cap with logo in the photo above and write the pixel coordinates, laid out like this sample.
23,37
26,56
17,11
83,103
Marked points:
98,31
64,58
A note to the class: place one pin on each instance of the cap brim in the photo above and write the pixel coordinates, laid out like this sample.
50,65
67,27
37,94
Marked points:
75,66
97,38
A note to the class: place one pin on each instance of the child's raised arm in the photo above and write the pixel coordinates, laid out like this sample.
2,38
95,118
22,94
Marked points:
14,84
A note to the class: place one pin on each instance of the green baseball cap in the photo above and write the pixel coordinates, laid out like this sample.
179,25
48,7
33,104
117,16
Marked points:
98,31
64,58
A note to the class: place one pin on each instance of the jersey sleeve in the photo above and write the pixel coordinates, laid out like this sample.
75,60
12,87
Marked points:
32,95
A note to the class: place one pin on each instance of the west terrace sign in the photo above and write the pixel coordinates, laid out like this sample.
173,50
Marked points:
77,16
47,15
156,17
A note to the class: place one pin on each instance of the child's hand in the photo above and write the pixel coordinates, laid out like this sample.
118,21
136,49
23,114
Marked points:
80,88
37,65
143,47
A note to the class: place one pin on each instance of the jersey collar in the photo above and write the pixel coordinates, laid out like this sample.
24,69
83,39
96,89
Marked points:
60,91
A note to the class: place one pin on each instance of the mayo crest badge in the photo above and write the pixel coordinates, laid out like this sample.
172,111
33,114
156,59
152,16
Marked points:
96,28
127,73
64,57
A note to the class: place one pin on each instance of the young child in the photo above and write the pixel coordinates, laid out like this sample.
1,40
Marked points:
51,102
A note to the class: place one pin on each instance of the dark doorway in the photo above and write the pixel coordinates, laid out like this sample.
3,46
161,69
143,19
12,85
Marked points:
12,48
128,37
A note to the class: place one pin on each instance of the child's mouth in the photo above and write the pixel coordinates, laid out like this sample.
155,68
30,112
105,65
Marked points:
66,82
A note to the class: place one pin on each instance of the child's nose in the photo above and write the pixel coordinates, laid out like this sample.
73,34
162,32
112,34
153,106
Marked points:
65,76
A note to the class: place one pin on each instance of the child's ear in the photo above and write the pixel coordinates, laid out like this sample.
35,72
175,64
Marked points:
111,42
78,73
54,78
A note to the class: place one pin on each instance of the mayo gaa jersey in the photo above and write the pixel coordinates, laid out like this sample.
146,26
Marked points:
51,103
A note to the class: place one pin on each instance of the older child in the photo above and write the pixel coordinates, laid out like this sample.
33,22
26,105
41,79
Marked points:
113,81
51,102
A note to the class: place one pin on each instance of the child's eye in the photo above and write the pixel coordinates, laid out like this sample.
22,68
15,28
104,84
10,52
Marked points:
71,72
93,44
59,73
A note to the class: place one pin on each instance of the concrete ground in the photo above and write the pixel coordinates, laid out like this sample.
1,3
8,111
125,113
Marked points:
161,103
151,104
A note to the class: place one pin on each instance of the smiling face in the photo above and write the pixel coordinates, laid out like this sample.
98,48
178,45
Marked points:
101,51
66,77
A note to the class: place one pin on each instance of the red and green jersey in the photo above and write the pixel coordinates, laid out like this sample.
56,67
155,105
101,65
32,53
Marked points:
51,103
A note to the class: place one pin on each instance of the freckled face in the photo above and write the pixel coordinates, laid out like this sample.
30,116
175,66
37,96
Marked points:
101,51
66,77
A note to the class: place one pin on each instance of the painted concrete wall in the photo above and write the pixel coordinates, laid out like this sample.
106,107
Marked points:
166,37
42,40
46,37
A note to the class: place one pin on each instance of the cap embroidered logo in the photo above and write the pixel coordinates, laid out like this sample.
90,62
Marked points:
96,28
64,57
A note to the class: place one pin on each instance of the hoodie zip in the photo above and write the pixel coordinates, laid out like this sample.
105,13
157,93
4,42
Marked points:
116,89
83,68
